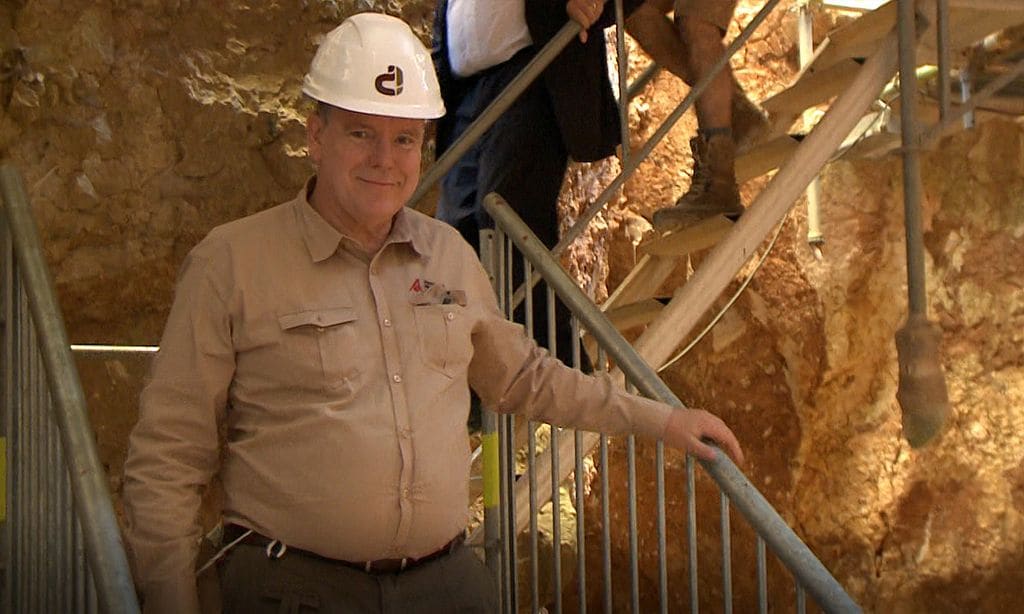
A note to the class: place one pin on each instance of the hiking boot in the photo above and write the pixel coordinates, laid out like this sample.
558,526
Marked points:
749,122
712,187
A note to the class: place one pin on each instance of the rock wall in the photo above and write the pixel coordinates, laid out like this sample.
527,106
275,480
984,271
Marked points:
139,125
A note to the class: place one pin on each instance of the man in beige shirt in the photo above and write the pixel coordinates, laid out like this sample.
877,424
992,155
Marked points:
334,338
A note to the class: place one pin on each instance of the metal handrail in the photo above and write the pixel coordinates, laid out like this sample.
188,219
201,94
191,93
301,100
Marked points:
789,548
104,548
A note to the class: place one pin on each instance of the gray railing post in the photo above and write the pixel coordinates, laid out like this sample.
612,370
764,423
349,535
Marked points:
104,548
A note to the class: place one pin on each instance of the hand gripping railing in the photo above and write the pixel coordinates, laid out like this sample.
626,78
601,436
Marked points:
103,547
794,554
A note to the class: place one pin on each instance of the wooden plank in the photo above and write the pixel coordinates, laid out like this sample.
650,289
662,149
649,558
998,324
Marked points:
692,239
857,39
813,88
634,314
989,5
966,27
642,282
873,146
766,157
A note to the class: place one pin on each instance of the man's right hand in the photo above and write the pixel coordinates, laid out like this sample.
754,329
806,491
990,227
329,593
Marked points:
585,13
687,427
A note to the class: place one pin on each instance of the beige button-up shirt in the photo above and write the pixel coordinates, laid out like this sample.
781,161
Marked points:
342,382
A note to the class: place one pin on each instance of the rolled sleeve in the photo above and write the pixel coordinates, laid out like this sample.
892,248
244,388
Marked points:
174,447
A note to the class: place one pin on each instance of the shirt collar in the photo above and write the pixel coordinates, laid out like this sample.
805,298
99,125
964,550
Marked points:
322,240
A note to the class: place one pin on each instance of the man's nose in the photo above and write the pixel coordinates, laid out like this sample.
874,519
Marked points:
383,153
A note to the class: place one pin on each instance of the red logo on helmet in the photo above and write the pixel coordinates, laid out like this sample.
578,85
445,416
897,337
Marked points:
389,83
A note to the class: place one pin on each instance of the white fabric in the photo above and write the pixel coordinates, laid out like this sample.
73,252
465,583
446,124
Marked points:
485,33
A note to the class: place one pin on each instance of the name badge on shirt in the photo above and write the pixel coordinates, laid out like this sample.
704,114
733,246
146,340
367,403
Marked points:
429,293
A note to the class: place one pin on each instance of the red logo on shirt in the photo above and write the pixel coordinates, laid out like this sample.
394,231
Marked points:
420,285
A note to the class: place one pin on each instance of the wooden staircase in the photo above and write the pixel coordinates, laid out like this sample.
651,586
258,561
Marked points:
852,68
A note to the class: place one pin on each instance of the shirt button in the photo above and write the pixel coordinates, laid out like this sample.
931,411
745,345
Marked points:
397,378
387,322
406,433
450,315
405,493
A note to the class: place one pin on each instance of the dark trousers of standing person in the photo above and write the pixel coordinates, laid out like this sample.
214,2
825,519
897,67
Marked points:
254,583
523,159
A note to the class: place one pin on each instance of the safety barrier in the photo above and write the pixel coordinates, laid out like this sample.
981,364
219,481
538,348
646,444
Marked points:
513,240
61,547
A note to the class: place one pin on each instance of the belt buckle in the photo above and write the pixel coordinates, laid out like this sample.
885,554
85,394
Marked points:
403,563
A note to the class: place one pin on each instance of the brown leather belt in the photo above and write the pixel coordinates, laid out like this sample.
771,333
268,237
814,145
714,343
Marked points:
276,550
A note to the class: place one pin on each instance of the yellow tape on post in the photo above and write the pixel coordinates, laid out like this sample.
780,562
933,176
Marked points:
492,477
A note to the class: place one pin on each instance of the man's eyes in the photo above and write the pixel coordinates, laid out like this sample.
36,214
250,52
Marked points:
402,140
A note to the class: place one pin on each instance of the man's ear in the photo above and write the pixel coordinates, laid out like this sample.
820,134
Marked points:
314,132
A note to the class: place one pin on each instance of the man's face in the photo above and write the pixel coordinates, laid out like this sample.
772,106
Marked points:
367,165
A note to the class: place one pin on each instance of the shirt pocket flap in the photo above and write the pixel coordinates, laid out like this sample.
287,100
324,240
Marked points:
321,318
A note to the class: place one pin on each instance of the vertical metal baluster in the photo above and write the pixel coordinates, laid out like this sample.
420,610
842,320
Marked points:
531,457
801,599
491,248
24,452
80,569
634,563
942,42
16,446
556,499
606,531
91,596
762,577
726,553
531,427
64,551
33,450
7,412
581,545
691,534
622,62
659,468
49,508
509,255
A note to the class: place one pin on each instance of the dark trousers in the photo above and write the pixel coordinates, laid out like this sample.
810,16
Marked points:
522,158
252,583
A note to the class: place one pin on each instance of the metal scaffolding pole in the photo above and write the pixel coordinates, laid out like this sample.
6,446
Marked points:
922,386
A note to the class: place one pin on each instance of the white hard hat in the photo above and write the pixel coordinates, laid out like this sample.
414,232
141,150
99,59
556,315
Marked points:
373,63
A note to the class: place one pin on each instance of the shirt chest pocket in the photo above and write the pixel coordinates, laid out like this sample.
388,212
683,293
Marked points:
324,339
444,334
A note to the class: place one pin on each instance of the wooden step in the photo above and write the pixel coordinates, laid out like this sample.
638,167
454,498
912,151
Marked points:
812,89
688,240
635,314
642,282
766,157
